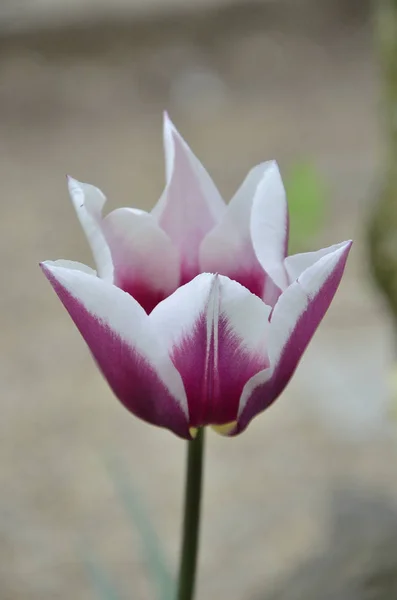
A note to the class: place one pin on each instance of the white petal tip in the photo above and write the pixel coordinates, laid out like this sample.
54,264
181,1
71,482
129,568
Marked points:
74,186
344,247
168,125
273,164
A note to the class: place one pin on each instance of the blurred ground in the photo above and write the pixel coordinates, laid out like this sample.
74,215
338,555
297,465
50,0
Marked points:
242,85
29,14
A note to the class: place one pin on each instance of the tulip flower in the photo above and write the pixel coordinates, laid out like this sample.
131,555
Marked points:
195,315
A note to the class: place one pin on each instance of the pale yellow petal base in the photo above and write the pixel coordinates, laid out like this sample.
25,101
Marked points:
193,431
225,429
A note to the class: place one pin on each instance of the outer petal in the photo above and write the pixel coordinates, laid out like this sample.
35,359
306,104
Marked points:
190,205
294,320
227,249
146,264
88,202
72,265
269,227
297,263
118,333
216,333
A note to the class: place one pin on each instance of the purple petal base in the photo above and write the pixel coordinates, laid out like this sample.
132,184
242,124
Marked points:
214,373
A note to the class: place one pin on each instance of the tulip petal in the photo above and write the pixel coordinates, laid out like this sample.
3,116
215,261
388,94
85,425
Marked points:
72,265
190,205
227,249
146,264
216,332
294,320
88,202
269,225
126,349
297,263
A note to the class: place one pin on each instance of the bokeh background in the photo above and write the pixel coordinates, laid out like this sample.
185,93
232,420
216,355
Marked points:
303,506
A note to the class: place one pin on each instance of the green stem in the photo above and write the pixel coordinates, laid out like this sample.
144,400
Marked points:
191,521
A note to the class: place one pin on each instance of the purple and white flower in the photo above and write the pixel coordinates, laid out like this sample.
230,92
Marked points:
196,315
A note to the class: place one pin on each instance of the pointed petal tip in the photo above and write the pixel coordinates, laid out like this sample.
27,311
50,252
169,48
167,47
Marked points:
271,167
273,164
74,187
53,268
168,126
270,170
73,184
348,244
269,224
345,245
338,255
172,136
343,250
49,268
44,265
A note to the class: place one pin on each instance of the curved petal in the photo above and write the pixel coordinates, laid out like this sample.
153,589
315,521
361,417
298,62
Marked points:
72,265
126,349
297,263
294,320
146,264
88,202
269,225
190,205
227,249
216,332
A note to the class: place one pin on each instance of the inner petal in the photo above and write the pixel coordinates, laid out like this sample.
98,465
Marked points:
147,296
227,248
190,205
146,264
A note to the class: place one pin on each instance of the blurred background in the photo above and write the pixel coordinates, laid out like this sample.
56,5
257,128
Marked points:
303,506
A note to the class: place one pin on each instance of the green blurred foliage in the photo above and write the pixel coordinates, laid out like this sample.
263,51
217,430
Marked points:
140,519
306,194
101,582
155,557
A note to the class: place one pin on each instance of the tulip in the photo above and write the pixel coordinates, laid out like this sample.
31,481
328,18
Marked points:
196,315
